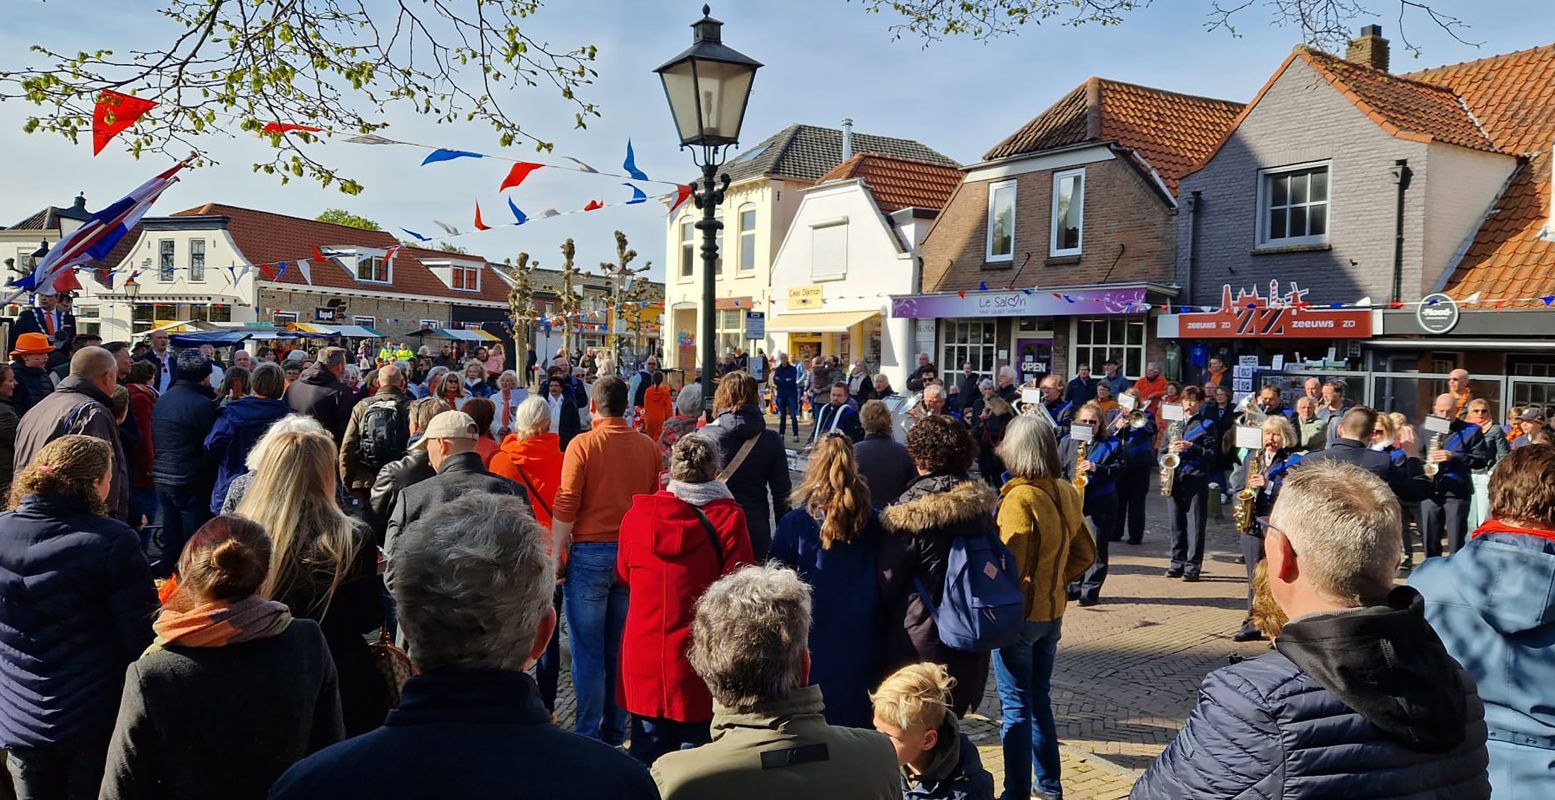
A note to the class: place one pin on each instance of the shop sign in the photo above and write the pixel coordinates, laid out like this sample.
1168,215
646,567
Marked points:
755,325
1020,303
324,314
802,297
1437,313
1254,316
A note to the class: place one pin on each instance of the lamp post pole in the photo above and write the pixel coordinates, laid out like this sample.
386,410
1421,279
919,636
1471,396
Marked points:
708,199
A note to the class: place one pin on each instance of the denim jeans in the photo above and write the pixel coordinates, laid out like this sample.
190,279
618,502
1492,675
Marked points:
1024,672
596,616
548,671
73,772
183,511
143,503
653,737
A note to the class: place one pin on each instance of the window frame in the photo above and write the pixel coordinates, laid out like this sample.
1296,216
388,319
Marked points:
957,349
743,264
989,256
371,322
688,254
842,272
458,272
372,263
1054,250
167,256
1131,357
1265,205
281,318
197,277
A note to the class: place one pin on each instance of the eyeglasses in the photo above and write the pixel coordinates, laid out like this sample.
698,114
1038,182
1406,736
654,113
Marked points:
1270,526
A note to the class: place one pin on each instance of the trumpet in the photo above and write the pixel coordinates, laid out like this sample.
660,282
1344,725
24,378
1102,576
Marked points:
1431,467
1137,419
1170,461
1247,499
1081,478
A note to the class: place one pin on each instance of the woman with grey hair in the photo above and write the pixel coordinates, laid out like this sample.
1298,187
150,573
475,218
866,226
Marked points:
750,643
474,600
688,410
1042,520
673,545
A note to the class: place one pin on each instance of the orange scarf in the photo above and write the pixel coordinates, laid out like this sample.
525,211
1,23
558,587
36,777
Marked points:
217,623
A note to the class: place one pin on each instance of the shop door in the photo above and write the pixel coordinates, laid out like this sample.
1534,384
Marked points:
804,347
1033,358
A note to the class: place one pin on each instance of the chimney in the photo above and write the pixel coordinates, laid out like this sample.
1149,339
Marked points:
1369,49
80,204
847,139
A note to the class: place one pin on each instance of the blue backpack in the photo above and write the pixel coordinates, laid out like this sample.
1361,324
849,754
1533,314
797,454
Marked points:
982,608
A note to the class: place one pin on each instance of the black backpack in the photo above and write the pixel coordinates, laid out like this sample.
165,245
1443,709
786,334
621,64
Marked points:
384,433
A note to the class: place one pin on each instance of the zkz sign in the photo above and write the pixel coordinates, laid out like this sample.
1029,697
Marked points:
1280,315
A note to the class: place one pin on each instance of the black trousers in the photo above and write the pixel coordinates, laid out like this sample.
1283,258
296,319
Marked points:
1099,525
1133,487
1444,514
1252,553
1187,505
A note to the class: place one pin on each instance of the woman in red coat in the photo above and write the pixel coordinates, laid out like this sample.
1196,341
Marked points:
673,545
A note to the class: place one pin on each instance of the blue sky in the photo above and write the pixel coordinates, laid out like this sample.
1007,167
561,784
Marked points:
825,60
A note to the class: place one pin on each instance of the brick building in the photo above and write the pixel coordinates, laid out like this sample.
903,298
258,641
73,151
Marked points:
1054,248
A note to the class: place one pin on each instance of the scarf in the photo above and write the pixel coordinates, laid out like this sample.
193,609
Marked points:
1497,526
700,494
218,623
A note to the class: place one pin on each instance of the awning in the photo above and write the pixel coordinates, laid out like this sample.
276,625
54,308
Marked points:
320,329
457,334
180,326
822,322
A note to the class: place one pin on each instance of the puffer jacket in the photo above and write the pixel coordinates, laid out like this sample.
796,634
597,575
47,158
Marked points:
1362,703
324,397
180,421
238,427
765,470
1493,606
76,601
920,528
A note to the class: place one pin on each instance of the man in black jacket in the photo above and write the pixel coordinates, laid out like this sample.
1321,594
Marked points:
321,393
837,415
1462,449
967,393
180,421
450,445
1403,475
410,470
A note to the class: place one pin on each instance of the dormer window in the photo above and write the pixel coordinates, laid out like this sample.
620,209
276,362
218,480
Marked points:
466,278
373,269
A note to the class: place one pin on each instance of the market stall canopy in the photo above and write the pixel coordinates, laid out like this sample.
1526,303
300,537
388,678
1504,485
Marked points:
181,326
320,329
457,334
820,322
227,337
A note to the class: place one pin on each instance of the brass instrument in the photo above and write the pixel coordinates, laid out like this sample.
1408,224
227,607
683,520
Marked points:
1431,467
1081,478
1170,460
1247,499
1137,419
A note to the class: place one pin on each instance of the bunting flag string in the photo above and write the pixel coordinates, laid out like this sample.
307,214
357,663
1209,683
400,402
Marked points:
280,128
447,154
630,165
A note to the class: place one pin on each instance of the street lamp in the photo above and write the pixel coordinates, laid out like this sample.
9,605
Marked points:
708,87
132,291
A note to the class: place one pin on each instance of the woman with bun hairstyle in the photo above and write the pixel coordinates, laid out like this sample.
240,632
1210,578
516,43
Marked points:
233,691
674,544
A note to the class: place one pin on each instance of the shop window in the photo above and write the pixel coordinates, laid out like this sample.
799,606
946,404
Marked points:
283,318
829,252
89,320
1100,338
748,237
366,322
1068,212
1293,206
963,341
165,260
197,261
1001,221
731,329
221,313
165,312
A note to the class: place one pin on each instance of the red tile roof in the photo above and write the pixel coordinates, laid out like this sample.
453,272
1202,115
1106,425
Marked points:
264,237
1513,97
1172,132
1406,108
899,183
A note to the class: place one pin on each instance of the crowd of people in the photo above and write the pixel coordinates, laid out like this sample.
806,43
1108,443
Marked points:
382,555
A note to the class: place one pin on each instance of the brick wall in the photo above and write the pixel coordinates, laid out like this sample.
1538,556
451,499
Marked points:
1120,208
406,312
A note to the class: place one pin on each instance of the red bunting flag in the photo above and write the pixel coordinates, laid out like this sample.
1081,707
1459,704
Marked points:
1395,305
114,114
480,226
594,205
66,282
961,293
517,174
287,127
682,192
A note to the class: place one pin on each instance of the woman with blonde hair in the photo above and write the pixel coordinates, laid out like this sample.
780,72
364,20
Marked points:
507,398
755,464
323,565
291,423
832,539
1263,472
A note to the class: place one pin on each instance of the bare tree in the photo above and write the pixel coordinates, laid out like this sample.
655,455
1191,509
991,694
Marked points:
238,65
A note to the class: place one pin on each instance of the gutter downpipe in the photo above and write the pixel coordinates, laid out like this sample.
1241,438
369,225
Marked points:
1194,199
1401,175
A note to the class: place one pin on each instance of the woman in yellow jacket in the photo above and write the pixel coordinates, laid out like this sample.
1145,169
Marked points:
1042,521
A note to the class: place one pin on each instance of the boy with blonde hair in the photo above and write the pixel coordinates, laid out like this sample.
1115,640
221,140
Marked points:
938,761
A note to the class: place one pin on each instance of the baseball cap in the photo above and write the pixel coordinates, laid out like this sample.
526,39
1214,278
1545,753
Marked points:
449,425
1531,414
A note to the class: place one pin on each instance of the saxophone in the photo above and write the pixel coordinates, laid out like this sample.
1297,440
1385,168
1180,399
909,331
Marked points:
1247,499
1170,461
1081,478
1431,467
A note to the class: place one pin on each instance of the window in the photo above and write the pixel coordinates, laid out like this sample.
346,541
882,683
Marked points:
963,341
829,251
467,278
1118,337
366,322
1293,206
165,260
283,318
687,248
197,260
88,320
748,237
372,268
165,312
731,329
718,264
429,324
221,312
199,311
1001,221
1068,212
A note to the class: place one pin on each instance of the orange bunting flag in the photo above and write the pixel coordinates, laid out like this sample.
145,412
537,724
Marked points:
123,109
480,226
517,174
594,205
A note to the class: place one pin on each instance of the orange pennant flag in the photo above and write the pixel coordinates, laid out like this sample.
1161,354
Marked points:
480,226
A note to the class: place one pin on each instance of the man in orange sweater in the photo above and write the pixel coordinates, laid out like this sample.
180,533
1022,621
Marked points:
602,470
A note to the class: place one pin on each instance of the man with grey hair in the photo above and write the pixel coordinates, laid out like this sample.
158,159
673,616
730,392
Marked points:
1360,697
81,404
475,606
321,393
750,643
921,374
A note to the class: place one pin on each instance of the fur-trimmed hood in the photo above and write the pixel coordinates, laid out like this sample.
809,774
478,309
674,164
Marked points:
938,501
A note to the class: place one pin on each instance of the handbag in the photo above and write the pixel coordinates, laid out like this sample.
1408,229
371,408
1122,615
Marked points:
393,664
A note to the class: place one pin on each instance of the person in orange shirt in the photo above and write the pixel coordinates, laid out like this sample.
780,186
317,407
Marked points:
657,407
1215,375
1153,385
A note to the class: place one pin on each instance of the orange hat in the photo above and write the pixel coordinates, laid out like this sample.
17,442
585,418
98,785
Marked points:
32,344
